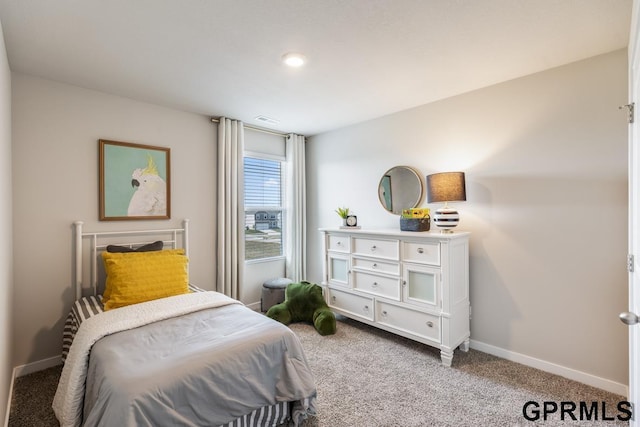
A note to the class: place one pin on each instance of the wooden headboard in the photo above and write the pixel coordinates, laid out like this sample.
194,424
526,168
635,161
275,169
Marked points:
88,246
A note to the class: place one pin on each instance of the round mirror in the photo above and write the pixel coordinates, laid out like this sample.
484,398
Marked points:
400,188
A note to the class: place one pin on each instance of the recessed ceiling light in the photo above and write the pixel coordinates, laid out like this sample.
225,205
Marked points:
294,59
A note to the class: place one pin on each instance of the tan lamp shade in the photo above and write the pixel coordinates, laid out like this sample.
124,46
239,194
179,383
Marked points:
446,187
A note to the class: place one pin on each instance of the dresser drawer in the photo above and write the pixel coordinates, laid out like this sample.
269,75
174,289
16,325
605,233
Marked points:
379,285
415,322
376,266
421,252
354,304
387,249
338,243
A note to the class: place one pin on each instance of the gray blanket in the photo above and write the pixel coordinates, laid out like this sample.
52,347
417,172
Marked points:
201,369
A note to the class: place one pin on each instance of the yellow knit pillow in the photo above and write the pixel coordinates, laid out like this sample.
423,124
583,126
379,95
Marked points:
136,277
109,255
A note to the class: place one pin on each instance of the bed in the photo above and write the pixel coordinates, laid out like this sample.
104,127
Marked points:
189,358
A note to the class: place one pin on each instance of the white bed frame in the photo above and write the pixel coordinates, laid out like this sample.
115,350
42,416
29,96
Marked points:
88,247
98,241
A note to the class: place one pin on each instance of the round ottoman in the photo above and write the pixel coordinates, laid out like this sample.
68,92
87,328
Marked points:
273,292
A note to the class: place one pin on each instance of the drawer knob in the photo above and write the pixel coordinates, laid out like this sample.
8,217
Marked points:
430,324
373,248
339,243
420,250
374,265
384,313
374,284
404,283
366,308
333,298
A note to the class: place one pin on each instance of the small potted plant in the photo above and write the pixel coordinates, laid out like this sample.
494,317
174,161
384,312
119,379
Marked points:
343,213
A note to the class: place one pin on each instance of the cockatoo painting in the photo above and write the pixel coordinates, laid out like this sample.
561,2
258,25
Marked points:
150,195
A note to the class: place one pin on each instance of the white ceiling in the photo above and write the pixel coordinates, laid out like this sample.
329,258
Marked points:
366,58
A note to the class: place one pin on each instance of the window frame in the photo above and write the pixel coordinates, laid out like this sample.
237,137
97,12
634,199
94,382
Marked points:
281,208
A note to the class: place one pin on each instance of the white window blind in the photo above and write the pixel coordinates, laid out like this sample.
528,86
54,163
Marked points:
263,208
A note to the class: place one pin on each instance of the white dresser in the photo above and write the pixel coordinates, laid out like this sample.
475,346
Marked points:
414,284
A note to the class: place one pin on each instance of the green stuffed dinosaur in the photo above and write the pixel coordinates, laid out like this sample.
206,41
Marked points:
304,303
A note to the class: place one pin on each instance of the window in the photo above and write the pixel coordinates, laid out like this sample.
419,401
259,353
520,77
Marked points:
262,208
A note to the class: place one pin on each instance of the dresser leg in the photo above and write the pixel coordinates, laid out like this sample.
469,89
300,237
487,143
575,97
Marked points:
446,356
465,345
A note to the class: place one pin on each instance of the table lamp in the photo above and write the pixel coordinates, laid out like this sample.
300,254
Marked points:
446,187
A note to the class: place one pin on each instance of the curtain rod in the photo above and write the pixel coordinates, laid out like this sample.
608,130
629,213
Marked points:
256,128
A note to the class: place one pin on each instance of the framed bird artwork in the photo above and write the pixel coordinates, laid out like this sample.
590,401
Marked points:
134,181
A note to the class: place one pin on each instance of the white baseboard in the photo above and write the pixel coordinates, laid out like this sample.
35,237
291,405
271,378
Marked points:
254,306
552,368
13,378
27,369
40,365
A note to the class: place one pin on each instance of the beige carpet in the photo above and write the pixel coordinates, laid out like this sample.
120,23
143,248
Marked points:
369,378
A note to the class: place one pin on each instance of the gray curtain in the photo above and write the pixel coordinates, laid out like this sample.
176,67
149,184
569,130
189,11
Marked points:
296,201
230,198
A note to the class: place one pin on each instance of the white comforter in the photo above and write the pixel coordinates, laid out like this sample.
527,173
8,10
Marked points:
68,401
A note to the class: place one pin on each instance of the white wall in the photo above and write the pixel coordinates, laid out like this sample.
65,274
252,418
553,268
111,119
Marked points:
56,128
6,259
546,164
